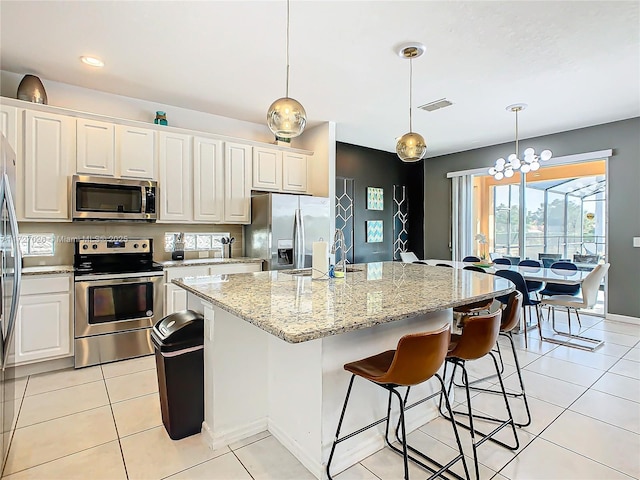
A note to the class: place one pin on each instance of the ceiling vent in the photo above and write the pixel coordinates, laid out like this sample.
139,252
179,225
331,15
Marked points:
437,105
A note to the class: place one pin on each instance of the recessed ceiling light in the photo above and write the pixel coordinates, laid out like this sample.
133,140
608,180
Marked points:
93,61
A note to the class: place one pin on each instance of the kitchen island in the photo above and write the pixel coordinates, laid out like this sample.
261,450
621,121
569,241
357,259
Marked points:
275,344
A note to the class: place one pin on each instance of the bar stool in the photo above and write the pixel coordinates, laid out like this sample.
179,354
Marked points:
510,319
417,358
479,336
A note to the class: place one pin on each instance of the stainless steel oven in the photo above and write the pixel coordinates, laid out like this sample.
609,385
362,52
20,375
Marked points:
118,298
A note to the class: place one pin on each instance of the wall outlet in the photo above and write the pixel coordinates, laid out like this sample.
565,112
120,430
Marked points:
636,242
203,254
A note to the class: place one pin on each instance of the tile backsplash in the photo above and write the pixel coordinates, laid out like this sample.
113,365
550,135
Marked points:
66,233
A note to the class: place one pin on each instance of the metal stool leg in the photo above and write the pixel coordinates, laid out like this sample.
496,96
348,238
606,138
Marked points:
335,440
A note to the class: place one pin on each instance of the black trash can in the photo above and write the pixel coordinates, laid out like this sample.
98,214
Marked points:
179,347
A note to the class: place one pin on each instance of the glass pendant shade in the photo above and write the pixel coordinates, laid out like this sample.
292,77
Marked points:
411,147
286,118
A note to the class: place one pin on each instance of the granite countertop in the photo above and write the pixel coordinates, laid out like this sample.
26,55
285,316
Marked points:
48,270
298,309
208,261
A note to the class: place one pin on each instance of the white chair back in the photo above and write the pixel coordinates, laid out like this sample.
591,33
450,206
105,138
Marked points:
591,284
408,257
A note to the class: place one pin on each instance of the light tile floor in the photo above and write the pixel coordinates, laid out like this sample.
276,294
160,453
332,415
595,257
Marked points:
104,423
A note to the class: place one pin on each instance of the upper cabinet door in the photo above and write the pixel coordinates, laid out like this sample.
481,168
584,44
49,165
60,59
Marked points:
175,177
135,152
50,142
9,125
208,180
267,169
237,173
95,147
294,168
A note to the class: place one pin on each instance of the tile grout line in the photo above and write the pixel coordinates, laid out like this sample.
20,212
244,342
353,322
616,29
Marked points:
113,416
13,429
243,465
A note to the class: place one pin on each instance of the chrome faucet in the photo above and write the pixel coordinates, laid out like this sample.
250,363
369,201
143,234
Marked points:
338,242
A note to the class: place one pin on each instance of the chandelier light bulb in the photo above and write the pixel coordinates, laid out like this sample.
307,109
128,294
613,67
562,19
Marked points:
492,171
545,155
508,173
512,157
499,176
534,166
500,161
529,152
525,168
500,167
515,164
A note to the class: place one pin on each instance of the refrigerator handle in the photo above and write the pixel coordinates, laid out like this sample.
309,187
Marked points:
301,233
17,269
298,238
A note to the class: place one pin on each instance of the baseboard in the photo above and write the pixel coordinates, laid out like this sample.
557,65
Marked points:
344,460
43,367
623,318
224,438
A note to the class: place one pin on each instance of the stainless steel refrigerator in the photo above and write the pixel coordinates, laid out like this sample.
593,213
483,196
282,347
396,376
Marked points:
11,266
284,227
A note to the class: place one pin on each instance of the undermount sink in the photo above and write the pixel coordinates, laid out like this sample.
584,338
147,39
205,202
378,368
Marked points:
300,272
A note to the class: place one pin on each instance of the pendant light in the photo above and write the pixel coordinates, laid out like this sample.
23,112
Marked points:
411,147
286,117
531,162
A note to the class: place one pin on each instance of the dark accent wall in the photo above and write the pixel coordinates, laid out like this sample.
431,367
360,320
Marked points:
623,202
375,168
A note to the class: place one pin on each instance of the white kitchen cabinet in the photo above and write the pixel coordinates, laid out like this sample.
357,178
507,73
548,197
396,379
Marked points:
174,151
294,171
208,180
43,328
95,147
175,298
49,150
135,152
267,169
237,173
9,125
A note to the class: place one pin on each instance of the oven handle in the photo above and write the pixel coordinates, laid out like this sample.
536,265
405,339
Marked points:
135,276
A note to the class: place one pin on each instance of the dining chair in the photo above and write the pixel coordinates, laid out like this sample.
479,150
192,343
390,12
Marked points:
444,265
471,258
502,261
590,287
532,285
527,301
474,268
551,289
420,262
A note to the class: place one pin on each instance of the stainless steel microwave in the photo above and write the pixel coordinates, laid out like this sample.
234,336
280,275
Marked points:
103,198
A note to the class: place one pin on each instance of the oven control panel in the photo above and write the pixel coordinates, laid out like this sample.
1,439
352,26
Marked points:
100,247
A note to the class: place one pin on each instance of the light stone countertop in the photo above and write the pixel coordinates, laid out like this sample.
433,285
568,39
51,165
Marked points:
48,270
208,261
298,309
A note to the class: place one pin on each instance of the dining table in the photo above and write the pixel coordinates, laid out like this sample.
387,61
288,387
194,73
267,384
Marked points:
538,274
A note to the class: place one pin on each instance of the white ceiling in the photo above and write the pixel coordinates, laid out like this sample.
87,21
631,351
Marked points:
575,63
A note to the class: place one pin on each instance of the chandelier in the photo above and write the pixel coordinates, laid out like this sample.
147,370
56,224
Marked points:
531,161
411,147
286,117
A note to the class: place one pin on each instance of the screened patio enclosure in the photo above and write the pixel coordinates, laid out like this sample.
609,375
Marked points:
565,218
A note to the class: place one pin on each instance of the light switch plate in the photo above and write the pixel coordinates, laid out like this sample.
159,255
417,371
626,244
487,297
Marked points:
636,242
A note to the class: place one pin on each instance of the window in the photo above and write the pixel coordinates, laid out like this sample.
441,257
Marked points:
195,242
